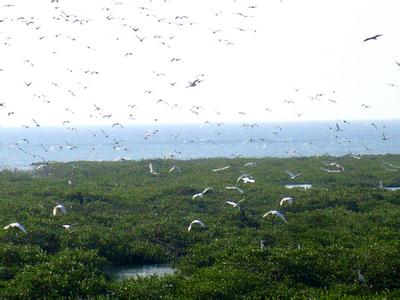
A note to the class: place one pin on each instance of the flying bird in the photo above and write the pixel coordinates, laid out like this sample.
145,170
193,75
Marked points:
17,225
175,167
152,170
245,179
372,37
221,169
275,213
234,204
234,188
59,209
202,193
196,222
286,199
292,175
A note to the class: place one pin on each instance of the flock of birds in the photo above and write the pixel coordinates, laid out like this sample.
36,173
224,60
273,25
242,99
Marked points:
80,79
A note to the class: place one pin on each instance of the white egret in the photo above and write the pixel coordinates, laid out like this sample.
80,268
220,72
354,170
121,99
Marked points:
208,189
196,222
276,213
234,204
245,178
152,170
234,188
286,199
39,167
59,208
250,164
17,225
333,168
198,195
221,169
292,175
175,168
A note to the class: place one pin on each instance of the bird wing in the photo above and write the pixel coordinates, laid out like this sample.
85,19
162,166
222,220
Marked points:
289,173
268,213
208,189
62,208
280,215
231,203
197,195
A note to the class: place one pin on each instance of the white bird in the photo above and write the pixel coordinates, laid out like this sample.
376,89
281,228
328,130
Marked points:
59,208
202,193
276,213
333,168
234,188
207,189
175,167
246,179
221,169
286,199
292,175
39,167
66,226
234,204
152,170
18,225
196,222
197,195
250,164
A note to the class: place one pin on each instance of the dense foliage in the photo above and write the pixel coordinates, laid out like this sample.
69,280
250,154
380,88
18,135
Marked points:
120,214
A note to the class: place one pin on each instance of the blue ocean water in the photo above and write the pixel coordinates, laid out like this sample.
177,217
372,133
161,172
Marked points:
20,147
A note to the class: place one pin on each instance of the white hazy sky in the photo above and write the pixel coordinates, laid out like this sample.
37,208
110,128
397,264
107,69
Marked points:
257,60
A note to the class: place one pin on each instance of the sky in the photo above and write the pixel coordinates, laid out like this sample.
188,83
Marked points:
93,62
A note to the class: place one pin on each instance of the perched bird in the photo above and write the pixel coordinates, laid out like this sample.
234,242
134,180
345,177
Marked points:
17,225
372,37
59,208
275,213
196,222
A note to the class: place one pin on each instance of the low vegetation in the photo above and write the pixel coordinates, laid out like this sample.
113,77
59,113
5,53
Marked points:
342,237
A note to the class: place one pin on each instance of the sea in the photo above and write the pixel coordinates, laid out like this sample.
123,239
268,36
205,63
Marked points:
21,148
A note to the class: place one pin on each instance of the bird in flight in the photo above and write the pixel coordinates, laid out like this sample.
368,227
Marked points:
275,213
196,222
152,170
375,37
234,188
292,175
234,204
59,208
17,225
286,199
